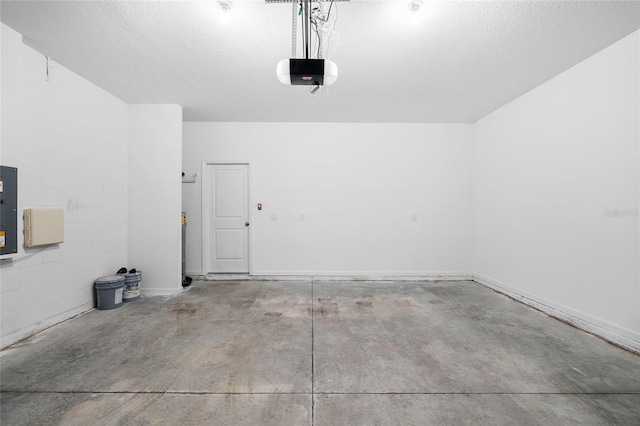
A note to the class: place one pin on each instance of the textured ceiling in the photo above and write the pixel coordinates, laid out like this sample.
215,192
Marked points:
459,62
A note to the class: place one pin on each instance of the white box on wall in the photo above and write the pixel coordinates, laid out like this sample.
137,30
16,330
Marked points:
43,226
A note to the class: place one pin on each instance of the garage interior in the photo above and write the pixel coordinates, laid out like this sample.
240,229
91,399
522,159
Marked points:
447,234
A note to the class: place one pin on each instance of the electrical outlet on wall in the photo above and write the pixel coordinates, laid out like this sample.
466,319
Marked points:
273,217
301,217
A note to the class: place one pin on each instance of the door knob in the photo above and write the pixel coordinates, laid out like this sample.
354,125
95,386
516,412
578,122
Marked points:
246,224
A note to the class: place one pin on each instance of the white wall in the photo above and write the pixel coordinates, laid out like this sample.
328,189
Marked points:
548,168
358,187
68,139
155,157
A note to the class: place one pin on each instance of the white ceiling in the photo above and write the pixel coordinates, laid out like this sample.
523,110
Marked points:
462,60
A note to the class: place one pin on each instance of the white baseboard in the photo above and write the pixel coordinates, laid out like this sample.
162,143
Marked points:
612,333
150,292
338,276
29,331
392,277
253,277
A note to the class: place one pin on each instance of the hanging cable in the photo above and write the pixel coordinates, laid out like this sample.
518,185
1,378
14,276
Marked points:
319,50
333,27
329,12
323,25
318,20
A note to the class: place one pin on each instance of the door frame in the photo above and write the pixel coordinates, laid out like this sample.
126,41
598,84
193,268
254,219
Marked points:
206,210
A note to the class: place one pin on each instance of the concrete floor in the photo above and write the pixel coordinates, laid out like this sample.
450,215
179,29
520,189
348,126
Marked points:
321,353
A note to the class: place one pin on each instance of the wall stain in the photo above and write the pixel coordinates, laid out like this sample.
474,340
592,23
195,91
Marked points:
184,313
184,309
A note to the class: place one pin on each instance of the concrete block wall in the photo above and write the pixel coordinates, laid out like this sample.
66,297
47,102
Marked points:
68,139
113,168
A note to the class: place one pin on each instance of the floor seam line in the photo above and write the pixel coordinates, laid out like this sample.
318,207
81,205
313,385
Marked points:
479,393
313,402
307,393
153,392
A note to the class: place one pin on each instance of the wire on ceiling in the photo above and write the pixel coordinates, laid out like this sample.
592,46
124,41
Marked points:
316,20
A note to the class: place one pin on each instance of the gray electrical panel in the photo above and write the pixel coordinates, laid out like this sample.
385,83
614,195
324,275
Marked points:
8,210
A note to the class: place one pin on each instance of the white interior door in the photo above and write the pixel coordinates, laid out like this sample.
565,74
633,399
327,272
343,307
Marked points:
228,218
